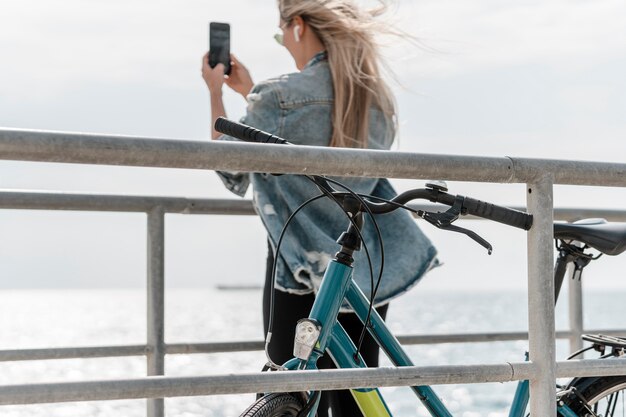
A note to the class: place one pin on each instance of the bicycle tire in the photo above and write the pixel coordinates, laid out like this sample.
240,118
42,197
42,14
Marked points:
602,395
275,405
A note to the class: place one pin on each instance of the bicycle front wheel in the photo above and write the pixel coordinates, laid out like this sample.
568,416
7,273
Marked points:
275,405
603,396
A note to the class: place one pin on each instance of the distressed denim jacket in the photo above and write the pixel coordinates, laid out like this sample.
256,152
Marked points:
297,107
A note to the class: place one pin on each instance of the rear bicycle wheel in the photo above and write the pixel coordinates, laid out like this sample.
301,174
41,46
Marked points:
603,396
275,405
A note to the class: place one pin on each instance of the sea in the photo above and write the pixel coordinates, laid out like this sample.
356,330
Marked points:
97,317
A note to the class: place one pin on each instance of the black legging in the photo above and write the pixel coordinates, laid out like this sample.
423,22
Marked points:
289,308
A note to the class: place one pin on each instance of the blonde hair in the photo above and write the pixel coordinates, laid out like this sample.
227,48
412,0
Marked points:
347,32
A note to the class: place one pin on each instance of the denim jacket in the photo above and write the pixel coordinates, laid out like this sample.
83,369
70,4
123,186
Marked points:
297,107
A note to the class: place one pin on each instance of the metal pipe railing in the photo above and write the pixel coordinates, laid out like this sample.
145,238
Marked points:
38,200
541,332
81,148
45,200
156,303
257,345
296,381
575,310
261,382
540,175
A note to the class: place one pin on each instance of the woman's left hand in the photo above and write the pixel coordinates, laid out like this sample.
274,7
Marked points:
213,77
239,78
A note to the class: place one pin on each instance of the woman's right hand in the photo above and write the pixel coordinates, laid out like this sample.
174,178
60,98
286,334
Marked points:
239,78
213,77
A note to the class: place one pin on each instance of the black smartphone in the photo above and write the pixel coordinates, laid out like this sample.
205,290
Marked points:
219,45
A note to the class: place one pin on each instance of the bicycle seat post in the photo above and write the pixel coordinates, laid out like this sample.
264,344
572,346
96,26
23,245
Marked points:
564,258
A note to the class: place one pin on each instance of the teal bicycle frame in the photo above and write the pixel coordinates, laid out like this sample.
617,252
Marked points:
338,285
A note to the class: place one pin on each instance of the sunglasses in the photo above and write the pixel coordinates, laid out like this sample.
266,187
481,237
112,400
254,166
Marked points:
279,37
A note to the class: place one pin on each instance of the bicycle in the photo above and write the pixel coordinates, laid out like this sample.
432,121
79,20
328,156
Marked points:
321,333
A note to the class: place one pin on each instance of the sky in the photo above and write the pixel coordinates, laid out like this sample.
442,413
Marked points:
493,78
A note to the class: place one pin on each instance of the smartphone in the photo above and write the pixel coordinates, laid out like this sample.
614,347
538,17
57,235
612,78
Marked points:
219,45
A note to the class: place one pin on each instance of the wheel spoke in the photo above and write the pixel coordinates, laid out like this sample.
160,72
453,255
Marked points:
611,405
614,404
609,402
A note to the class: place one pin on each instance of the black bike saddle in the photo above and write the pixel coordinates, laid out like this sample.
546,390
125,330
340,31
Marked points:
609,238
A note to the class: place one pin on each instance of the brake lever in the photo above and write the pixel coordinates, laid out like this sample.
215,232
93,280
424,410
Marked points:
322,184
444,221
473,235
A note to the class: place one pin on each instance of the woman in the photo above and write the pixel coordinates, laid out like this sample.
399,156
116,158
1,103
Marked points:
337,99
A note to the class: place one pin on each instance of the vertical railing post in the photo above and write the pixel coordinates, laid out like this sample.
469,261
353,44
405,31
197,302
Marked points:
156,304
541,333
575,312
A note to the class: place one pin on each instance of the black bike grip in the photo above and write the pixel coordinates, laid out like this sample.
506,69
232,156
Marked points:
499,214
246,133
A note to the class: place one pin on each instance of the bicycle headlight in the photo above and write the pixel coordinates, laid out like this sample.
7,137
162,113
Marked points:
307,335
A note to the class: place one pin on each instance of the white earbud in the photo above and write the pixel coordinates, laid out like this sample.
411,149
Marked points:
296,33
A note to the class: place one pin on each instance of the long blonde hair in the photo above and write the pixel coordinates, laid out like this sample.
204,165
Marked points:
348,32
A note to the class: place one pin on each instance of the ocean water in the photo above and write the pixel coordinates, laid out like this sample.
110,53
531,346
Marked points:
60,318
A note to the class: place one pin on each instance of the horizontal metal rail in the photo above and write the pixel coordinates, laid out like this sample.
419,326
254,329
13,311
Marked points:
257,345
29,200
36,200
82,148
155,387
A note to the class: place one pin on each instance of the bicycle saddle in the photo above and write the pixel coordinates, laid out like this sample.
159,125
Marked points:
602,339
609,238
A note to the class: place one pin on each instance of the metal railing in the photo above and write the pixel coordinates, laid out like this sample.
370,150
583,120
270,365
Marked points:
539,175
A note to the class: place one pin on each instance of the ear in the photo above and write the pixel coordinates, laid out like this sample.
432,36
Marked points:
298,27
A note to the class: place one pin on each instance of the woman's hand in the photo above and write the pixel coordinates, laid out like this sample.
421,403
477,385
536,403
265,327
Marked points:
239,78
213,77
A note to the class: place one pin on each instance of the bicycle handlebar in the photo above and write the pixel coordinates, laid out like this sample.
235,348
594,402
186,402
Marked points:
469,205
246,133
500,214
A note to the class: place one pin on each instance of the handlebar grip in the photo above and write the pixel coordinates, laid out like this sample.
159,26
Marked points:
246,133
499,214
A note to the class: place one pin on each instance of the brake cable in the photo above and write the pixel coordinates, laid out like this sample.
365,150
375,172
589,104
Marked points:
326,193
373,287
270,325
